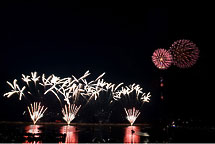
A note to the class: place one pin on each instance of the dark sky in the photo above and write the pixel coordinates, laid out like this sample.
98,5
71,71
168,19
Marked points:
116,38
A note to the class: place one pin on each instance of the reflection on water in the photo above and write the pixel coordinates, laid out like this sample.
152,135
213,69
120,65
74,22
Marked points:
33,129
131,134
33,134
71,134
57,133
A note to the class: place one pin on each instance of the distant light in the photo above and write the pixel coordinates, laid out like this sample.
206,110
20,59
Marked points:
173,124
162,97
161,84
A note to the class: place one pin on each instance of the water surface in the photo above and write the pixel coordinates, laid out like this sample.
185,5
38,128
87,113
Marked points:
96,133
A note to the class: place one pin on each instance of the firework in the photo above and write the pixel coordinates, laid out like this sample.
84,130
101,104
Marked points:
132,99
102,98
26,79
36,111
145,98
70,88
162,58
15,90
34,77
185,53
26,89
132,115
69,112
73,91
133,95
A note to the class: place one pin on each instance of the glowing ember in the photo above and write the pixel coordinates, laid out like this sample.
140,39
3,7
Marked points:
185,53
36,111
132,115
162,58
70,112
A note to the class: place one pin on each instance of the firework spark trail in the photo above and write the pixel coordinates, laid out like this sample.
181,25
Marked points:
102,96
131,93
36,111
73,89
26,90
26,79
114,90
91,89
69,112
99,77
65,82
21,92
34,77
134,90
53,82
45,82
15,90
69,87
86,74
132,96
132,114
145,98
95,89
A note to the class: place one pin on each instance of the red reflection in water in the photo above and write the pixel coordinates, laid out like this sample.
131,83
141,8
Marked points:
131,134
34,142
34,130
71,134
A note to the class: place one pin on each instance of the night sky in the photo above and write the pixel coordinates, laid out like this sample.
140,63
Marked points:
117,38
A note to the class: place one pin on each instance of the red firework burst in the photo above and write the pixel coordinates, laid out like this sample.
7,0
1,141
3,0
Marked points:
162,58
185,53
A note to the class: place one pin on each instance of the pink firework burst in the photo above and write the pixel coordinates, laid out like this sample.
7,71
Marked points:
185,53
162,58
